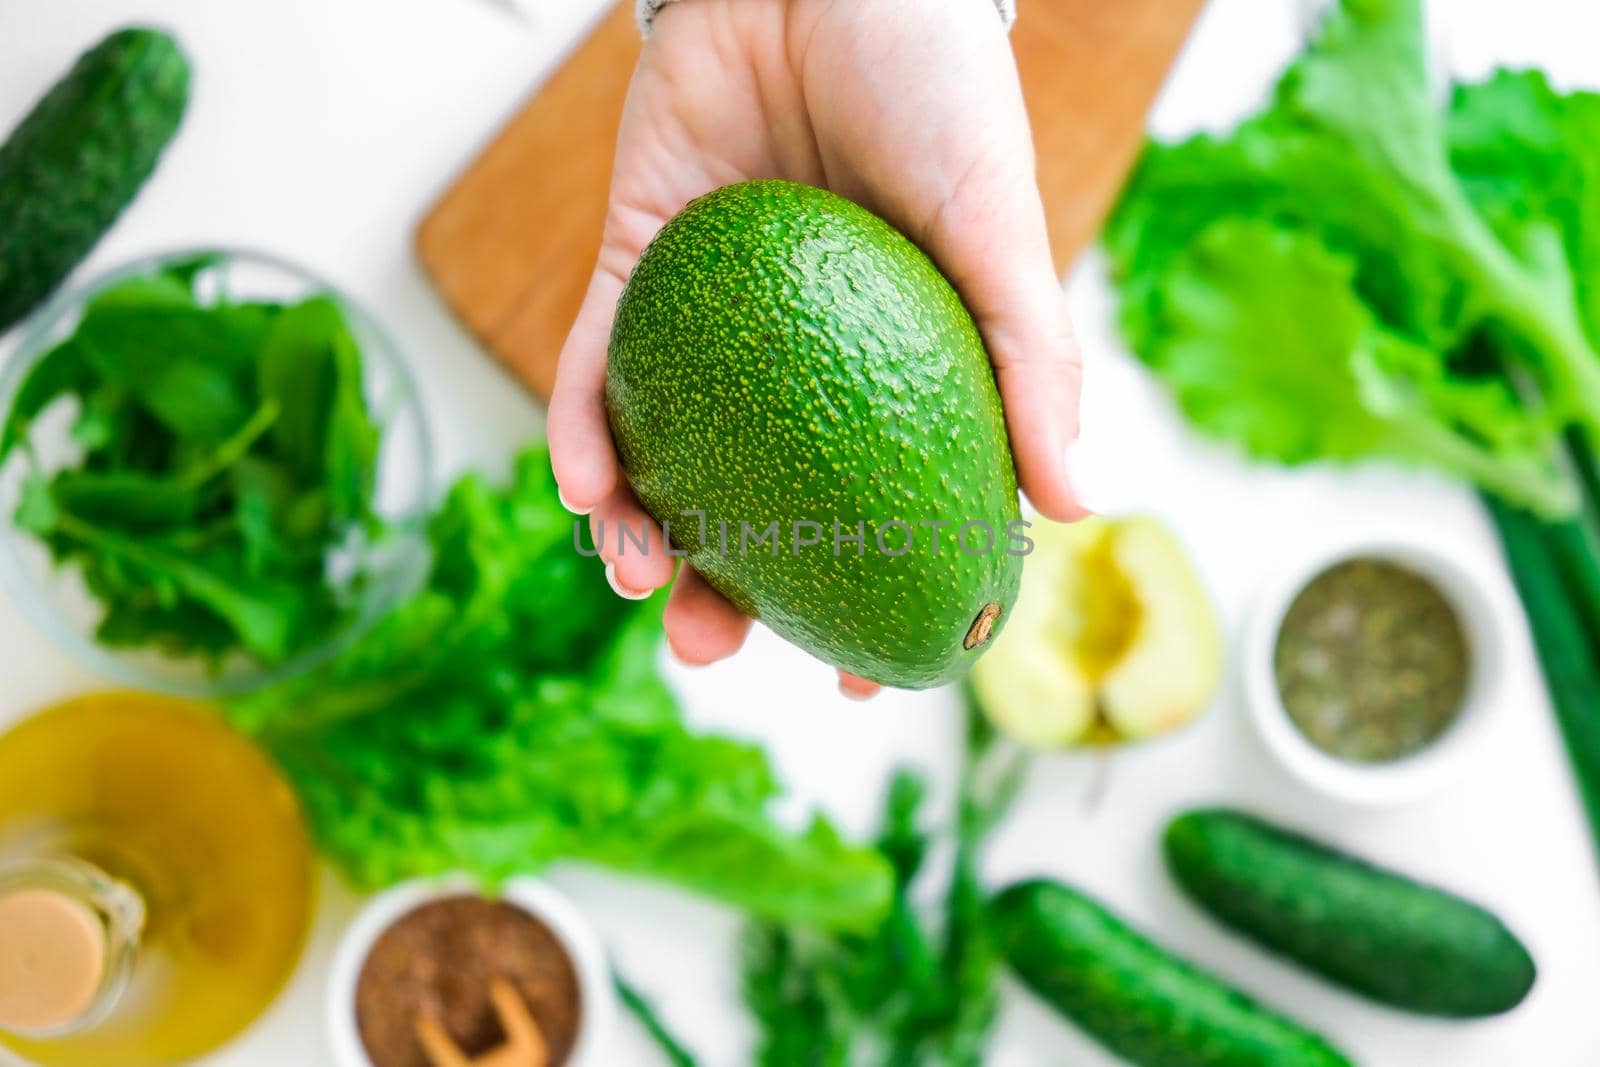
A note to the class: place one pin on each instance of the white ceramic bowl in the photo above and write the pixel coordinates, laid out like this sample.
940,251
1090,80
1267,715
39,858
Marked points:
536,897
1435,764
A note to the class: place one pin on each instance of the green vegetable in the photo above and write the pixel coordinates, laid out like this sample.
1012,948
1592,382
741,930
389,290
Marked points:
1146,1005
77,159
1529,158
642,1010
1306,283
1357,272
902,996
1235,347
227,453
509,715
1364,87
1368,929
1569,653
1575,545
789,365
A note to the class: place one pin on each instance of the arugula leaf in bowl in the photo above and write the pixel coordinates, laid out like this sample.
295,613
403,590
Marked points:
205,465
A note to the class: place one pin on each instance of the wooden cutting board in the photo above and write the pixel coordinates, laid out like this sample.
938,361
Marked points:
510,245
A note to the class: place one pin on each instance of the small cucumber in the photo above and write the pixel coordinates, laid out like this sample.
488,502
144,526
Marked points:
1134,997
73,163
1370,930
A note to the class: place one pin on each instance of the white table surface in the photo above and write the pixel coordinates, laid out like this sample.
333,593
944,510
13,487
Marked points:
320,129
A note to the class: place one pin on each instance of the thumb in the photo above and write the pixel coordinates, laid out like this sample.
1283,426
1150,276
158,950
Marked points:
992,243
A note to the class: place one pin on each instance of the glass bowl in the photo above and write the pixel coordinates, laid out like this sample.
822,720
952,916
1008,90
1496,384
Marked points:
377,572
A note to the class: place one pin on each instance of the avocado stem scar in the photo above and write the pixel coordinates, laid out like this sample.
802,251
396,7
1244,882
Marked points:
982,626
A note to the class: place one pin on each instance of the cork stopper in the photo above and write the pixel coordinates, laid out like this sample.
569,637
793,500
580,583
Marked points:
53,959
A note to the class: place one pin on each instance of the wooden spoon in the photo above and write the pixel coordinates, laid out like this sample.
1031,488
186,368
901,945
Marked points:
524,1045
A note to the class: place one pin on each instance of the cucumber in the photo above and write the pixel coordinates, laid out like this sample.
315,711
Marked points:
1134,997
1554,569
1373,931
73,163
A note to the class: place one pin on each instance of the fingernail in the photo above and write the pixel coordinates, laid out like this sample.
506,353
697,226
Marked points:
619,589
858,695
564,503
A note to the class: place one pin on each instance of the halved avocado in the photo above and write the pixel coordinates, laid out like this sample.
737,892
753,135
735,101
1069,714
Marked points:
1113,638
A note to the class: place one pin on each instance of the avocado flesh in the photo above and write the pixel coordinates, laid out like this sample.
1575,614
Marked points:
1113,638
781,355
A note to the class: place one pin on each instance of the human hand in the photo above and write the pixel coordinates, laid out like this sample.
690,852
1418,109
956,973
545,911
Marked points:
912,109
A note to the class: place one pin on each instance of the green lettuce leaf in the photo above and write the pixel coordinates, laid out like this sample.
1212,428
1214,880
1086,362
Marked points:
1265,342
1529,158
1322,283
1364,86
510,715
1272,169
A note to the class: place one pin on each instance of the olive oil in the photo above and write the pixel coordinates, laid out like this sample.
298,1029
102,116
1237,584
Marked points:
198,843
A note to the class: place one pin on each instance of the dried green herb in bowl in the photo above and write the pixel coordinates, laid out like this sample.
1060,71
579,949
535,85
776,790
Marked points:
1371,661
215,467
1373,668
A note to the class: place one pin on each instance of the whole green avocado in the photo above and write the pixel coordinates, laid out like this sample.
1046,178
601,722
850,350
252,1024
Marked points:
802,398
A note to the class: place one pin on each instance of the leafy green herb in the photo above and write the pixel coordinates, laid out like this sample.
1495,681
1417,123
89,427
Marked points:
641,1009
226,451
509,715
1311,284
903,995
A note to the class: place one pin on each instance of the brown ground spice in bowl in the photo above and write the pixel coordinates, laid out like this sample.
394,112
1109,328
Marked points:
439,958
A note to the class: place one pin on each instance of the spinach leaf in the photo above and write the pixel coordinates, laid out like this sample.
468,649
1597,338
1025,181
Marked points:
182,364
295,370
226,450
61,371
310,367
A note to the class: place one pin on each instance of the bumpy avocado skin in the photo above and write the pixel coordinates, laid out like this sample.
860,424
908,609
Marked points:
781,354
